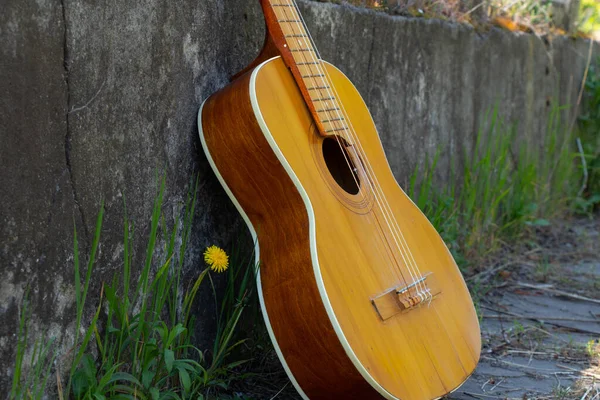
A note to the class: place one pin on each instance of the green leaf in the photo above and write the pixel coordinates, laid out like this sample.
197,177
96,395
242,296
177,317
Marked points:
107,379
127,392
80,383
89,367
124,376
147,377
163,331
177,330
236,364
154,393
169,356
185,380
169,396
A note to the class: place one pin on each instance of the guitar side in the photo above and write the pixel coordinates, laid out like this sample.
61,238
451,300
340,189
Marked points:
322,262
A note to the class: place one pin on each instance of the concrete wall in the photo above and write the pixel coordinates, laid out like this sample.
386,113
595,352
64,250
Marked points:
95,98
429,83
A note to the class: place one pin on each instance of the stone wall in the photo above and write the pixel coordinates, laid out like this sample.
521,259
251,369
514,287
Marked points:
96,100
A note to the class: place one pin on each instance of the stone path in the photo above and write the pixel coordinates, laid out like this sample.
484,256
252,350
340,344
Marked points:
549,357
541,339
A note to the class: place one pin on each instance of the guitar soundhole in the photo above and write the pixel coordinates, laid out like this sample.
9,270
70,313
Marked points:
340,164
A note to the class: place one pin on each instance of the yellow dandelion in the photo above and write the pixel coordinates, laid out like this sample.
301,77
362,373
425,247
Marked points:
216,258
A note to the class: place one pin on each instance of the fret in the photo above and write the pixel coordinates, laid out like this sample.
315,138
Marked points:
301,50
329,109
296,35
308,63
319,88
282,5
312,71
323,99
288,20
343,128
333,120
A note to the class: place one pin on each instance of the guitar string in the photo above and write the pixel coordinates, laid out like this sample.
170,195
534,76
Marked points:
387,210
402,247
369,181
350,131
389,255
397,232
392,257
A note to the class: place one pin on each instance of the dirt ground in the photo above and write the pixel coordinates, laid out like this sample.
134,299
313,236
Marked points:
539,303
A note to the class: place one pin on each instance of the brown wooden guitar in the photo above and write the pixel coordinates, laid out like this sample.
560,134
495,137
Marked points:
360,295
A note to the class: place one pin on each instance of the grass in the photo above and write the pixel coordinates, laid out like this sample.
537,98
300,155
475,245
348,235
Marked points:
139,342
589,16
589,137
535,14
543,269
502,190
593,348
33,386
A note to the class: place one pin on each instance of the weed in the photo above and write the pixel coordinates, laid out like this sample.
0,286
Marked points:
499,192
561,393
42,358
589,16
593,348
543,269
518,328
589,128
143,349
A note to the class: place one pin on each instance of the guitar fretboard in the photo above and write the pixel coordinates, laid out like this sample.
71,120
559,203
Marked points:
311,71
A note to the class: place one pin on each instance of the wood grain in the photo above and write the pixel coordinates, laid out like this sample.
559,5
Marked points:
271,201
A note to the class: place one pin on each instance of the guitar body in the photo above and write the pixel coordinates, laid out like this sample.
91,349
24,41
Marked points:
360,295
322,256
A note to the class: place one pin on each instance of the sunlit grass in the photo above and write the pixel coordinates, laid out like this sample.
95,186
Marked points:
529,15
589,16
501,190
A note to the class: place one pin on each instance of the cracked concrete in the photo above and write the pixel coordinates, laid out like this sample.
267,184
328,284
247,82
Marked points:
68,133
35,200
96,101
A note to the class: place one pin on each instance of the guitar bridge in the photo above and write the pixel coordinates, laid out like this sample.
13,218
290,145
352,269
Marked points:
405,298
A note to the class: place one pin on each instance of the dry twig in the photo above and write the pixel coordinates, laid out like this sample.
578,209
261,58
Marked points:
549,288
543,321
543,318
583,372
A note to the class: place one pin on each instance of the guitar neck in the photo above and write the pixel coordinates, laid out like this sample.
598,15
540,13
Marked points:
290,35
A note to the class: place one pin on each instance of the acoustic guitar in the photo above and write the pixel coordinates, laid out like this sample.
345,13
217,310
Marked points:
360,295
